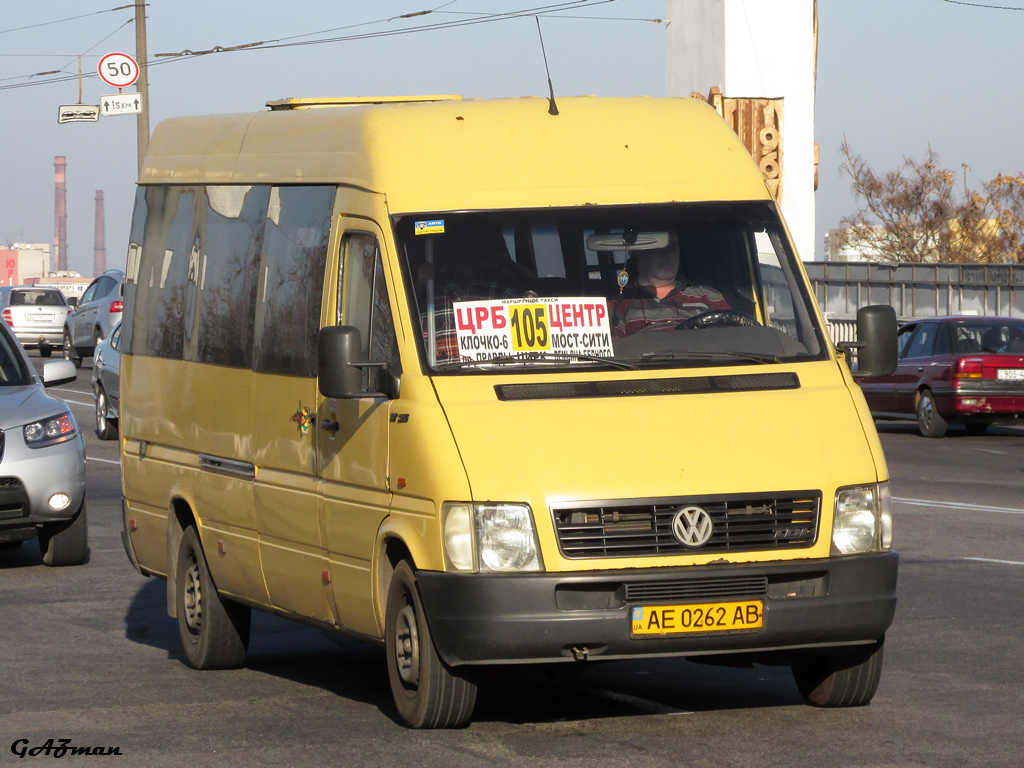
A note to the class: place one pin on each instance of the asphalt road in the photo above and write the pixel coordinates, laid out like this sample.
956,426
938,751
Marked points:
89,655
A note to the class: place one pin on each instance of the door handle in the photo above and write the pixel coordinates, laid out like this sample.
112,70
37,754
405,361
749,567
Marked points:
921,369
329,426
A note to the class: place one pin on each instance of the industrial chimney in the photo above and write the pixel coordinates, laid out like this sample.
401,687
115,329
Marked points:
99,247
60,209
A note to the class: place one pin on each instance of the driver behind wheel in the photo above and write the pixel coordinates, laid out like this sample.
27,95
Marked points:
661,297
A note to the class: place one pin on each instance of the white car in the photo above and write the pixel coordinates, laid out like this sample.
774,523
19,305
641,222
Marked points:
36,315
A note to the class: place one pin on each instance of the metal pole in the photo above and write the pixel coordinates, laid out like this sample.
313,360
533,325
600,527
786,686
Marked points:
142,119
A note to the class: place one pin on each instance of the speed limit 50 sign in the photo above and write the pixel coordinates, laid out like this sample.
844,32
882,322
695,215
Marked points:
118,70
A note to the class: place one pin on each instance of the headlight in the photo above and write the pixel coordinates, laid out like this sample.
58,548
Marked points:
862,520
490,538
49,431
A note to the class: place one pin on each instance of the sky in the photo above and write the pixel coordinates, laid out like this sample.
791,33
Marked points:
895,77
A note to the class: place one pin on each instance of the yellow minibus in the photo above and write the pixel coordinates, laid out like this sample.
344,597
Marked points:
490,383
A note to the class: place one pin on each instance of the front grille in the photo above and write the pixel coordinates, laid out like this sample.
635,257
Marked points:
742,523
14,501
698,589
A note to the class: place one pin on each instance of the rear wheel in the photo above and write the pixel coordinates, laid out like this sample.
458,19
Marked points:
214,632
929,421
106,429
70,353
45,351
843,681
66,542
427,694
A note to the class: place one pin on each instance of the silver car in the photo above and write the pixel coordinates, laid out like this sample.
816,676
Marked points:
98,311
106,384
42,459
36,315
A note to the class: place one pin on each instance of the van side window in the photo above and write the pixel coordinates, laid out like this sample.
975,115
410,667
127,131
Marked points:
291,279
163,269
231,237
364,301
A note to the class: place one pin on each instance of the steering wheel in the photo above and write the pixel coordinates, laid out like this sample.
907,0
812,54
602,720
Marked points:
730,318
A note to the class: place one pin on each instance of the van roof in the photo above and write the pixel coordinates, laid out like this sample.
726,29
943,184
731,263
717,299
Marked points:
444,153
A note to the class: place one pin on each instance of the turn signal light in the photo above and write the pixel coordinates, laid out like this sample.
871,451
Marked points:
968,368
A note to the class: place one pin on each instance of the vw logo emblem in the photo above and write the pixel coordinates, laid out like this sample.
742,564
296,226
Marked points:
692,526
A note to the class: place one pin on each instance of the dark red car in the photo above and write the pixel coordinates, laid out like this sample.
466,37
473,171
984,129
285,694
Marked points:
954,370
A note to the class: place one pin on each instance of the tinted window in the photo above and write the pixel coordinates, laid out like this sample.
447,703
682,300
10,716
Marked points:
365,303
132,268
923,341
12,368
903,339
37,298
162,273
91,292
942,345
225,274
291,279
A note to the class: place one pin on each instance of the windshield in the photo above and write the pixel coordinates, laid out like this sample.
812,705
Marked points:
12,367
641,286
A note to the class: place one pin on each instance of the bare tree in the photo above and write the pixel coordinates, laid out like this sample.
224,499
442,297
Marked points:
917,214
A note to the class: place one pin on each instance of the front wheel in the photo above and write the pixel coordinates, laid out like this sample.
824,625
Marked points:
843,681
106,429
929,421
214,632
66,542
70,353
427,694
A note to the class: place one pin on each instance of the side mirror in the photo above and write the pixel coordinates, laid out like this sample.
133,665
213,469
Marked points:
72,301
57,372
876,341
338,351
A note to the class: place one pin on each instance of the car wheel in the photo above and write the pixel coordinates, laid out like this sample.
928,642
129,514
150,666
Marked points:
929,420
106,429
426,692
70,353
45,351
977,427
844,681
66,542
214,632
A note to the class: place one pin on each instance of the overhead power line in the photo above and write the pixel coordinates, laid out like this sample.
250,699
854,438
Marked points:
61,21
983,5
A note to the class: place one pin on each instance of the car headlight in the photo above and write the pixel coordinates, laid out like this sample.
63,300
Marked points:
490,538
56,429
862,520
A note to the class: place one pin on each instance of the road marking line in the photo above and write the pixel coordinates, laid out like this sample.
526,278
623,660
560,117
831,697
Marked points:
991,560
958,505
105,461
77,402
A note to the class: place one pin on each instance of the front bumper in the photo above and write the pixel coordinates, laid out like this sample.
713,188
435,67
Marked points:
500,619
30,476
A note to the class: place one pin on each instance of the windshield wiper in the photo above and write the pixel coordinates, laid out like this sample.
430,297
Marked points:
659,357
544,357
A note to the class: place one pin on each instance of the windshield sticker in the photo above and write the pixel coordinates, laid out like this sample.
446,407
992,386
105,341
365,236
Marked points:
432,227
536,327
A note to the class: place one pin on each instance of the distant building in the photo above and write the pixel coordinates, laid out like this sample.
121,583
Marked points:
840,245
71,284
20,262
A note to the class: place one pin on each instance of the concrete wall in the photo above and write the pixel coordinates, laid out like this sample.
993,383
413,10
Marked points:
755,49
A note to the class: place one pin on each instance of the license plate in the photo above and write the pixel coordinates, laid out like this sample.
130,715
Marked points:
699,617
1010,374
41,318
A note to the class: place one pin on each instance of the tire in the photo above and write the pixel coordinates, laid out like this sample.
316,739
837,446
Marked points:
845,681
45,351
976,427
70,353
66,542
106,429
214,632
929,421
426,693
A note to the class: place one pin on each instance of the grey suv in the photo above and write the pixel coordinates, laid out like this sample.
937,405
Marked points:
42,459
98,311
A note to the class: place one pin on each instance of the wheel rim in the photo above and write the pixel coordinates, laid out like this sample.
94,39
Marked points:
67,346
407,646
926,412
101,412
193,599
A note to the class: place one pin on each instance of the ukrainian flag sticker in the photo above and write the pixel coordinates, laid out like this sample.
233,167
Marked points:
432,227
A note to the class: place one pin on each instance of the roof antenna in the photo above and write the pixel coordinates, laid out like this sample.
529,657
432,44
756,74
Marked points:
552,109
